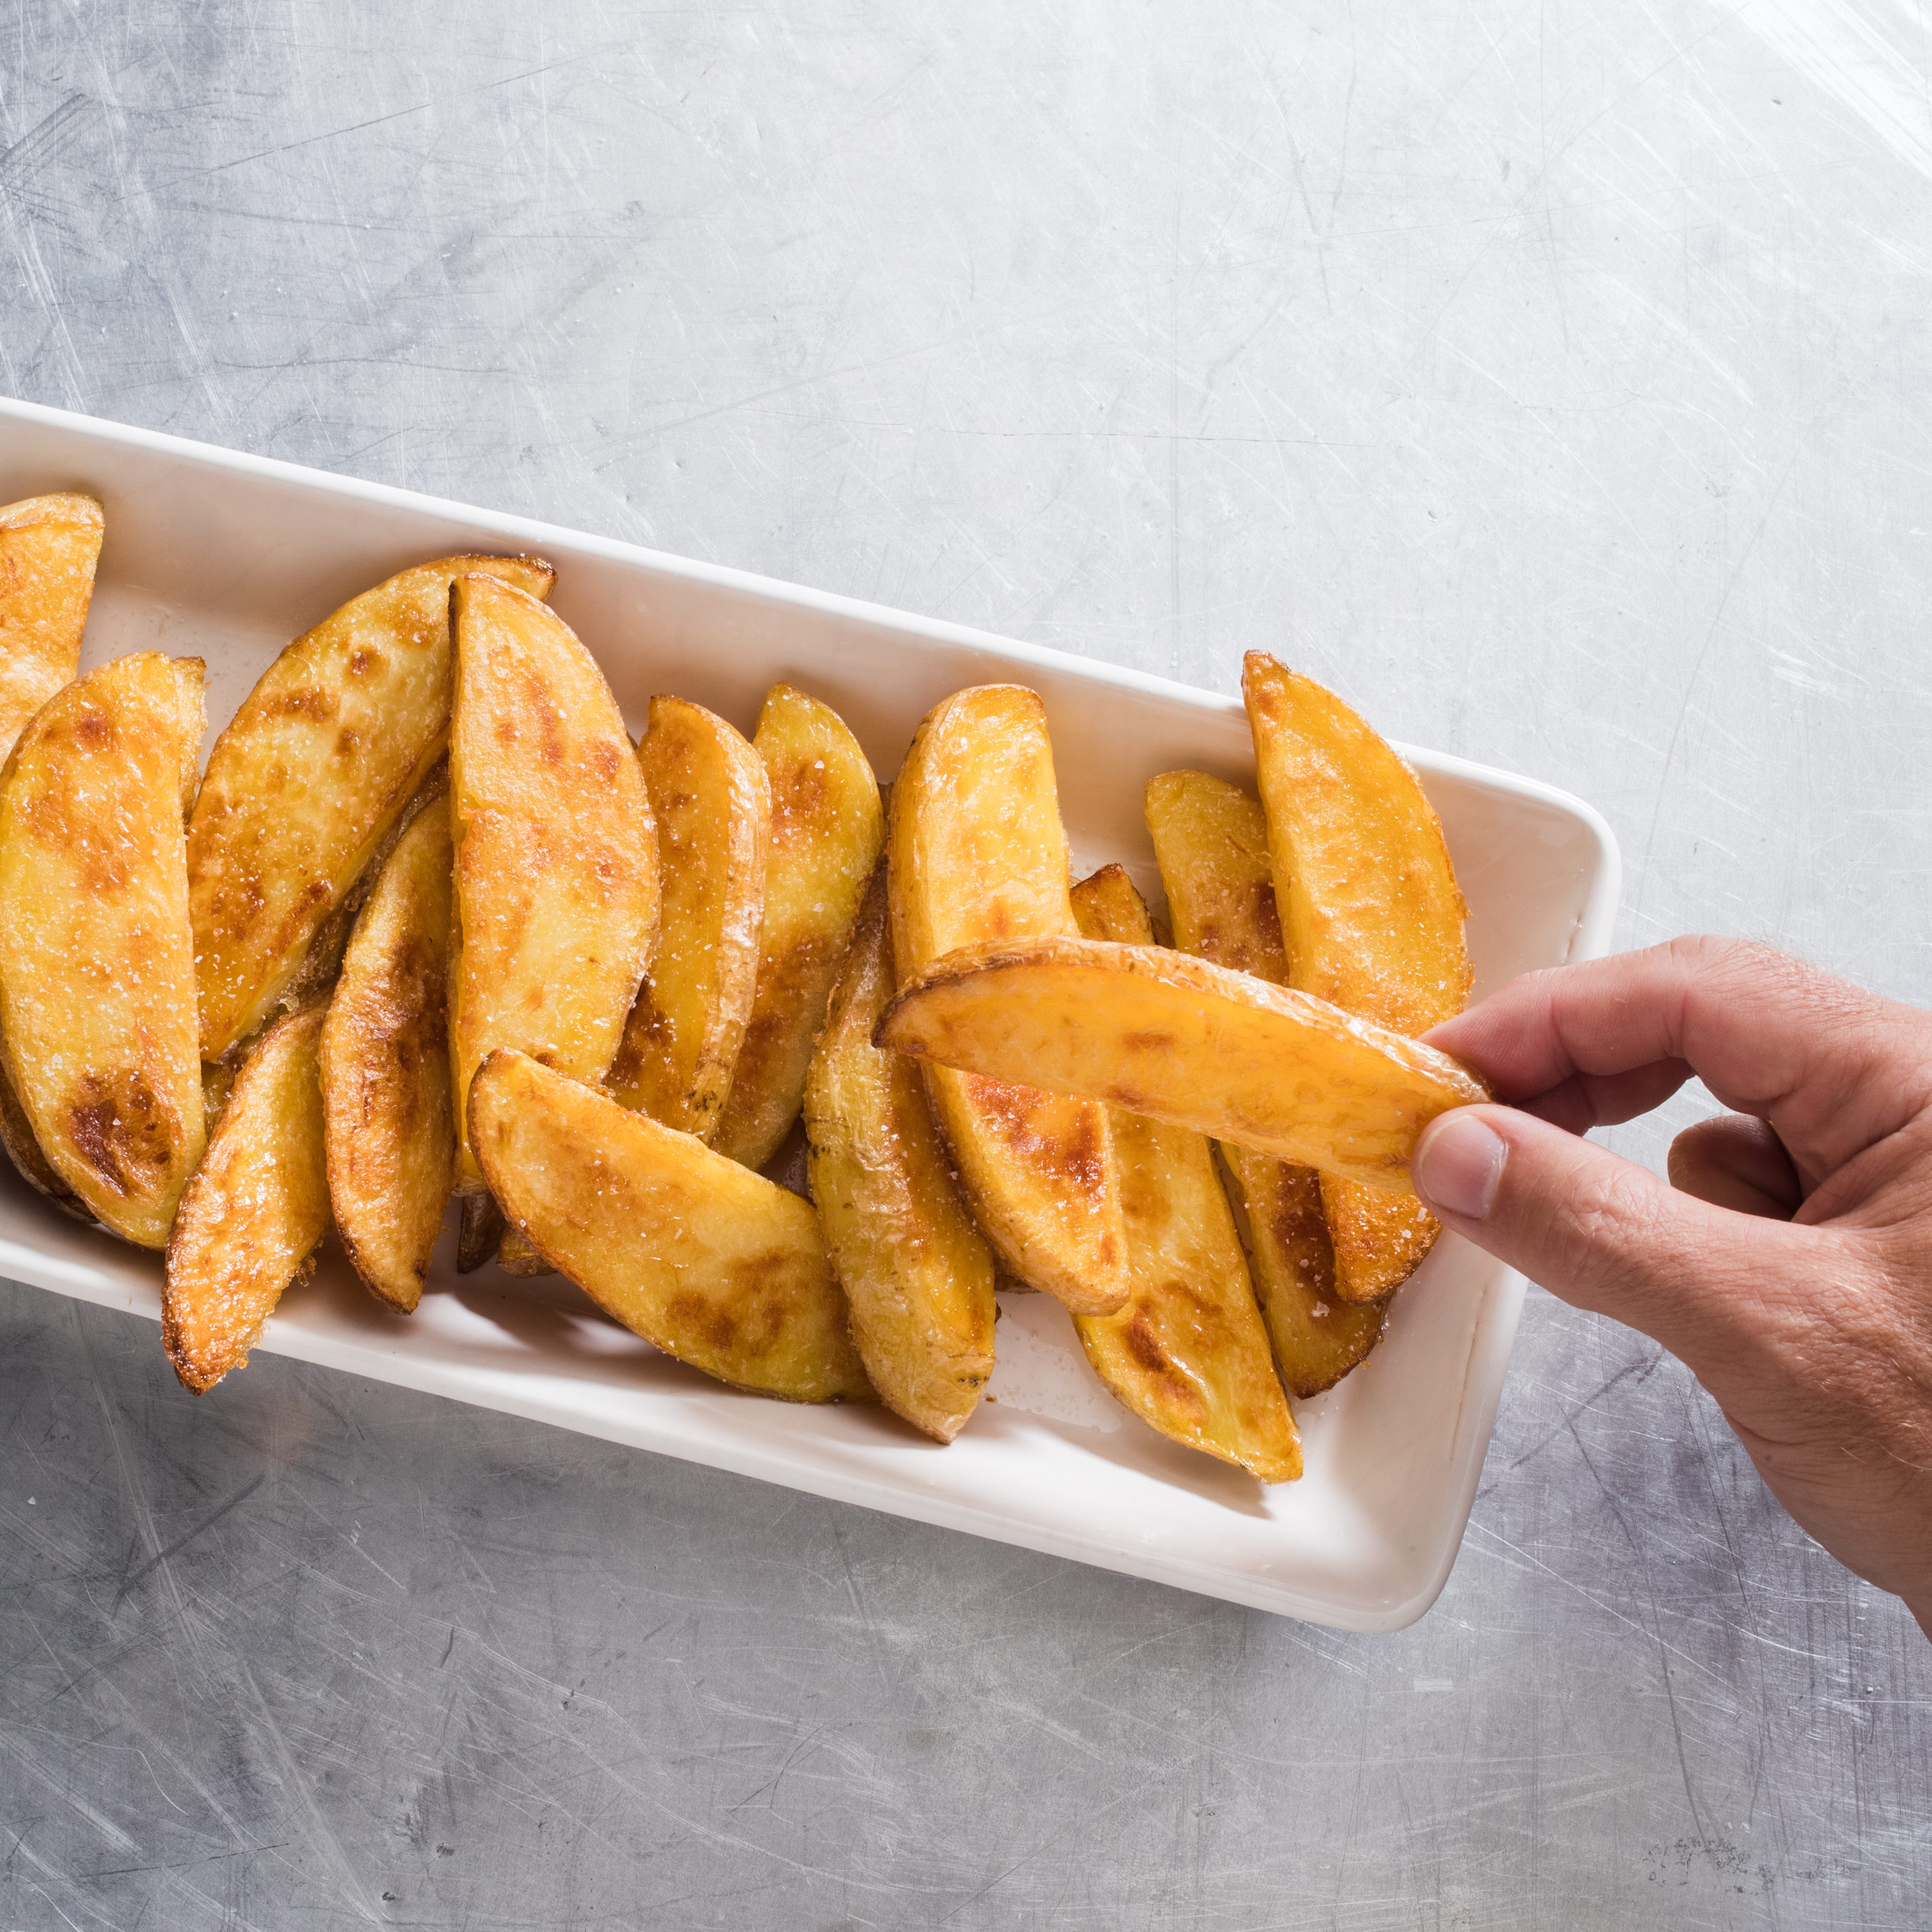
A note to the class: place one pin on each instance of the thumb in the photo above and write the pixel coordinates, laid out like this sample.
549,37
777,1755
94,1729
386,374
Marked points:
1594,1229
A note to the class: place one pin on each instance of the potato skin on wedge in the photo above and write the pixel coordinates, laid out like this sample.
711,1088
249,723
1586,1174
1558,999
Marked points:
314,770
97,958
1188,1354
48,547
389,1116
916,1273
1160,1033
978,857
706,1260
827,827
255,1210
1210,842
711,802
1372,916
556,867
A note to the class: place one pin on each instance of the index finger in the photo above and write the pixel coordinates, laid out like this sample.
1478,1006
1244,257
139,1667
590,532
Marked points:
1832,1067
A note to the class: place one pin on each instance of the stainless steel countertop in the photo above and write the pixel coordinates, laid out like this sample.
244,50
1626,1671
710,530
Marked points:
1552,380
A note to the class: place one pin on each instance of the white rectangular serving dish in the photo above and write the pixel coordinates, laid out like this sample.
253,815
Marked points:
225,556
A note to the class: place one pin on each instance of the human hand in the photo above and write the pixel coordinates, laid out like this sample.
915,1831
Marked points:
1789,1264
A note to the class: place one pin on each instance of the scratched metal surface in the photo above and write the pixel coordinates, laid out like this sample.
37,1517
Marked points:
1551,379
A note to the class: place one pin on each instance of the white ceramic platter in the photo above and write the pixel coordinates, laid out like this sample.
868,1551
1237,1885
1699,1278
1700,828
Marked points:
224,557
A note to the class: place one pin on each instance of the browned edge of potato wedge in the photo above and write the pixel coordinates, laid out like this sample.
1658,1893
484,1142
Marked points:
311,773
916,1273
706,1260
1210,843
711,803
977,855
1189,1354
1372,916
24,1151
387,1107
49,548
97,958
1161,1033
255,1210
480,1229
556,907
827,829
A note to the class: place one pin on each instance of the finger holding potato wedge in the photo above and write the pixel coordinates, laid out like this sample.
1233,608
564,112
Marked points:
555,904
915,1272
711,802
1160,1033
48,547
387,1108
977,856
255,1210
1210,843
1371,916
706,1260
97,956
314,769
827,827
1188,1354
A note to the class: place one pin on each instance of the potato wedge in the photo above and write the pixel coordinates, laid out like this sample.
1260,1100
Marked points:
557,865
255,1212
1210,842
387,1108
713,803
1372,916
1188,1354
24,1151
703,1259
49,546
827,828
313,771
916,1273
480,1229
96,957
1195,1045
978,855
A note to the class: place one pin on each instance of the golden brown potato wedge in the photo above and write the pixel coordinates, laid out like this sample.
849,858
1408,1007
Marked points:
1211,842
49,546
1195,1045
557,866
1372,916
827,827
978,857
918,1276
255,1210
311,774
24,1151
1188,1354
386,1084
96,957
713,803
705,1259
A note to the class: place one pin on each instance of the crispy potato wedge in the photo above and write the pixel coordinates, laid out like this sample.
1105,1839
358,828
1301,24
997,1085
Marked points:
1188,1354
96,957
828,826
49,546
556,865
480,1229
703,1259
713,803
24,1151
255,1210
916,1273
387,1107
977,857
315,769
1210,842
1160,1033
1372,916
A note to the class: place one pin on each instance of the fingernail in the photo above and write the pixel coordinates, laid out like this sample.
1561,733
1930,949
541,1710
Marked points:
1459,1164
